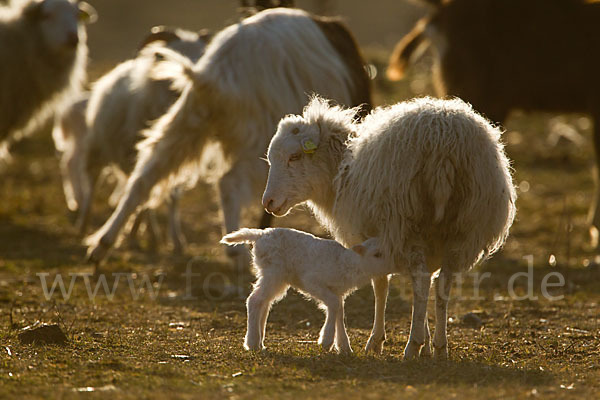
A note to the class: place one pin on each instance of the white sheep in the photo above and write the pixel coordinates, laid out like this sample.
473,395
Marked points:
103,131
318,268
252,74
429,177
44,53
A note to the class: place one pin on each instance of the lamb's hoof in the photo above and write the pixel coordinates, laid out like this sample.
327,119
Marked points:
253,346
425,351
374,346
440,353
345,350
411,351
97,253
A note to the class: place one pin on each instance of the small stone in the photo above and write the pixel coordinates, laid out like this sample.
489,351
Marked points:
43,334
472,320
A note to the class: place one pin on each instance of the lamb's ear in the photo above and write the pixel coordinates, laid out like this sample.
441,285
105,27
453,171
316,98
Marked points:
33,10
159,33
87,13
359,249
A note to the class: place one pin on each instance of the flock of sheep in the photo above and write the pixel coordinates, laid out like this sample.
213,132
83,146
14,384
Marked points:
415,187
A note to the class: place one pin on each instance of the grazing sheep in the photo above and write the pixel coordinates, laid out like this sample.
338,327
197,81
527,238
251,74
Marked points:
502,55
122,103
44,54
252,74
318,268
428,177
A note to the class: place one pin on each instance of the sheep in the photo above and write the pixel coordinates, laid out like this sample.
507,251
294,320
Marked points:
428,177
252,74
318,268
103,130
44,54
547,60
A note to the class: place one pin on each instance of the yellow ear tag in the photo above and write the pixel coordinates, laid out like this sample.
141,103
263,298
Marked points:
308,146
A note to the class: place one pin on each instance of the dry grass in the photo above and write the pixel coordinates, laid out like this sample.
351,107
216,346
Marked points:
188,343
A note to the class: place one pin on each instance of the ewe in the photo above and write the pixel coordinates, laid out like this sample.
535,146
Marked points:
318,268
44,54
428,177
252,74
104,130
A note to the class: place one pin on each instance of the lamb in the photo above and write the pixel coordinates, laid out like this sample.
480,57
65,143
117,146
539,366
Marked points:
428,177
547,60
318,268
252,74
121,104
44,54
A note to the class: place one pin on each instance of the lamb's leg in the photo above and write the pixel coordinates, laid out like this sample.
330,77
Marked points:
83,217
152,230
332,307
258,305
175,232
426,349
342,342
380,290
443,285
421,279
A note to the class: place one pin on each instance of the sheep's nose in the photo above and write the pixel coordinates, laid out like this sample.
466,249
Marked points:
268,204
72,39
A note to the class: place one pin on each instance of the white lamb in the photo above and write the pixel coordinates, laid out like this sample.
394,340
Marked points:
429,177
103,131
318,268
252,74
44,54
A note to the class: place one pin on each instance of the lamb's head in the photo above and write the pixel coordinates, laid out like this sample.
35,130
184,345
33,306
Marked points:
304,155
370,252
190,44
61,22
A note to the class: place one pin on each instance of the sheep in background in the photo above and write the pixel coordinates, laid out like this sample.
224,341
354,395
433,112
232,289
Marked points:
428,177
252,74
318,268
44,54
502,55
122,103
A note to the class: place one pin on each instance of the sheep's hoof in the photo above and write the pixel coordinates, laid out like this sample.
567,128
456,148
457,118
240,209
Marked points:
326,344
374,346
440,353
345,350
425,351
253,346
411,351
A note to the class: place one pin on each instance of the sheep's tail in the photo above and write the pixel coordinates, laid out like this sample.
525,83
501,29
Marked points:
244,235
405,49
170,65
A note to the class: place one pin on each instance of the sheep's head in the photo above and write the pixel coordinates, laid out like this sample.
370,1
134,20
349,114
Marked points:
61,22
190,44
304,155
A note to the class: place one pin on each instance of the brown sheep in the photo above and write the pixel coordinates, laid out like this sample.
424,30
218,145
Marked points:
502,55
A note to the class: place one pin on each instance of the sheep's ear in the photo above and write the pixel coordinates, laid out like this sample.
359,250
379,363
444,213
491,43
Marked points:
205,35
159,33
33,10
87,13
359,249
310,139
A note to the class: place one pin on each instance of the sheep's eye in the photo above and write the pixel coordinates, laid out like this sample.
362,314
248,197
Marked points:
295,157
377,255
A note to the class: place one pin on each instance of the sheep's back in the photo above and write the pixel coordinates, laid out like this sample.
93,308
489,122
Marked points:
427,173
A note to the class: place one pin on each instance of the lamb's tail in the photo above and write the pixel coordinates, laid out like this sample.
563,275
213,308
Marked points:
405,49
244,235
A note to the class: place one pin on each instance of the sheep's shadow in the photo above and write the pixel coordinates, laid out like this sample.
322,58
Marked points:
418,372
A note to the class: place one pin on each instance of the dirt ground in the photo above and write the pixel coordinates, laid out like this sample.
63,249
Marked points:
173,326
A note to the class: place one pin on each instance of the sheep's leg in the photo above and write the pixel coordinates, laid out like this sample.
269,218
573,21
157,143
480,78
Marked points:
234,190
83,217
443,284
426,349
594,213
175,232
152,230
342,342
421,279
135,228
380,290
157,159
258,305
